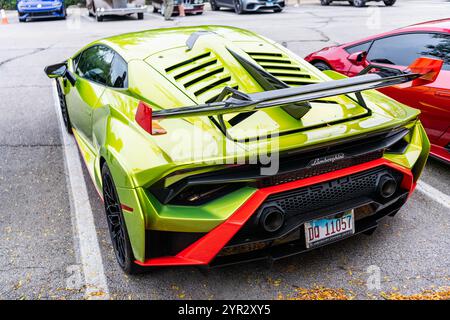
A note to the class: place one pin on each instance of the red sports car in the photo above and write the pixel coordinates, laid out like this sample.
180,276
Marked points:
399,48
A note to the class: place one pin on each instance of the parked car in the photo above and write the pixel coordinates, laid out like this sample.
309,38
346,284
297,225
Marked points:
190,6
241,6
101,8
40,9
398,48
176,126
358,3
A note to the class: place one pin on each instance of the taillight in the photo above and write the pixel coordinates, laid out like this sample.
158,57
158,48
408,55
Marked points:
144,119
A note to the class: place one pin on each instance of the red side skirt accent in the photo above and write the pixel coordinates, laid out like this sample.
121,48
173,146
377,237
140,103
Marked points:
440,153
206,248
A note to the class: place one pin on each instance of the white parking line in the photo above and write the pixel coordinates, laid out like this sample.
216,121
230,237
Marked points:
433,193
84,233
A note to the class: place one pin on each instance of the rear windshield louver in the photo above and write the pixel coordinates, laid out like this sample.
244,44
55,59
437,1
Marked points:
212,85
281,67
203,76
178,65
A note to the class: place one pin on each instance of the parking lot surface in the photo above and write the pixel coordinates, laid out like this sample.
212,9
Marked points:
41,255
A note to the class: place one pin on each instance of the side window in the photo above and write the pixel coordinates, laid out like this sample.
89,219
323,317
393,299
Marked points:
359,47
439,47
403,49
95,64
119,73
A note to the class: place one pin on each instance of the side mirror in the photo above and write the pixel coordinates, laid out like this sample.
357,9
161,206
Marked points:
358,58
60,70
56,70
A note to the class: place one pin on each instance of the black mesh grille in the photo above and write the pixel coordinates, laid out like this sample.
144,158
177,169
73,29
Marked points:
315,201
327,194
321,169
41,14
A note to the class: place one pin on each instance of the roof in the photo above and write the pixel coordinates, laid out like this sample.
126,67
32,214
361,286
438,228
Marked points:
442,25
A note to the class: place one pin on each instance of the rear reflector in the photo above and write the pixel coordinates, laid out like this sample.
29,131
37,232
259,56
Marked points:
126,208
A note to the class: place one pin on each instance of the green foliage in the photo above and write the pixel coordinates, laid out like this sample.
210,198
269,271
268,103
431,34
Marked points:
8,4
74,2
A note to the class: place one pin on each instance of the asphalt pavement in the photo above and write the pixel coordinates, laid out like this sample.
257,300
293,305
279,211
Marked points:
41,255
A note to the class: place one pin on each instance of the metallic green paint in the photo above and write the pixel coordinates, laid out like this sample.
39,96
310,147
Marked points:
105,129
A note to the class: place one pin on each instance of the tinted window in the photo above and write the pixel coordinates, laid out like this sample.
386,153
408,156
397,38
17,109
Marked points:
358,48
404,49
439,48
95,64
118,74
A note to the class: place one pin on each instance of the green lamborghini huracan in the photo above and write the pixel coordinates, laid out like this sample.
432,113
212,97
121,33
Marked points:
214,145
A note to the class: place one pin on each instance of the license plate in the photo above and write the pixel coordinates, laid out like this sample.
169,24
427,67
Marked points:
321,231
188,6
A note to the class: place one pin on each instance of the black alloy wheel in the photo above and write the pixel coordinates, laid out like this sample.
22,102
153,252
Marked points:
116,225
359,3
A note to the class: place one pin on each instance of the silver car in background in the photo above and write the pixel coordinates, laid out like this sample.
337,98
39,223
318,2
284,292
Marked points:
102,8
241,6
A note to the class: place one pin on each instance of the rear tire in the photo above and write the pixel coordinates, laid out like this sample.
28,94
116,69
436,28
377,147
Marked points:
277,10
116,225
140,16
389,3
99,18
325,2
214,6
359,3
63,107
155,9
238,7
322,66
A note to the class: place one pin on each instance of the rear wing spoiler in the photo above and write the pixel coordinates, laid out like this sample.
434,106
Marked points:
422,71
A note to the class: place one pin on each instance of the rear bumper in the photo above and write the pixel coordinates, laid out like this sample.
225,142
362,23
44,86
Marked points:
196,8
297,246
208,249
120,11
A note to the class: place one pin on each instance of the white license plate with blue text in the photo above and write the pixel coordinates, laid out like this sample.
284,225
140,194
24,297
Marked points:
322,231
